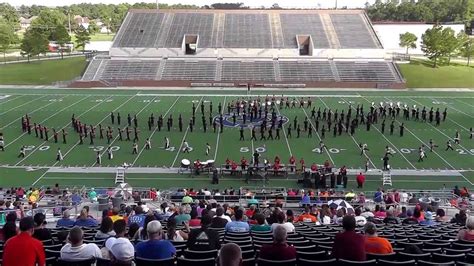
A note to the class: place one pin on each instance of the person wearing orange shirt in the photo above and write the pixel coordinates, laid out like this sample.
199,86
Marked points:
306,217
375,244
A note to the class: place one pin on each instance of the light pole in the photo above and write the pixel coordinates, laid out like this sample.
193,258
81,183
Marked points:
157,5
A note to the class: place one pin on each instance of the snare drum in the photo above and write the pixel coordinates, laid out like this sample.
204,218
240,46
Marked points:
185,163
210,163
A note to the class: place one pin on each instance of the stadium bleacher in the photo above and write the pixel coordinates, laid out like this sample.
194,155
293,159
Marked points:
303,24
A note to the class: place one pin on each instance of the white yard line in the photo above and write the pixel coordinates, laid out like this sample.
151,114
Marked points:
19,118
450,106
219,132
396,148
154,130
408,130
46,119
467,150
59,130
317,134
185,134
353,138
284,132
116,137
463,102
77,143
13,98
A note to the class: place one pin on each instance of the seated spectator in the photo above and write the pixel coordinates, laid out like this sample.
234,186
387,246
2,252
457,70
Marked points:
132,230
155,247
360,220
9,229
106,229
141,234
460,218
378,196
182,216
306,217
403,214
250,212
237,225
252,201
41,233
468,233
115,214
379,212
203,238
23,249
281,217
349,245
410,219
325,215
441,216
290,216
84,220
172,233
187,199
75,249
66,220
138,217
121,251
120,229
375,244
195,221
220,220
279,250
428,221
390,218
261,225
367,213
230,255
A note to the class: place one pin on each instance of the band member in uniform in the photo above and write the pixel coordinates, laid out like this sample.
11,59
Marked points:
147,144
110,153
208,148
22,152
135,148
59,155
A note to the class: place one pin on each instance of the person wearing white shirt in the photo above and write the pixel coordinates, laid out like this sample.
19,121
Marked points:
281,217
75,249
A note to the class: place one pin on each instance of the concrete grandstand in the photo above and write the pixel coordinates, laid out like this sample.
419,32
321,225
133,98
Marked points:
228,48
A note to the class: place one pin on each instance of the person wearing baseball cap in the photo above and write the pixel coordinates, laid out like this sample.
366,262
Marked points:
121,251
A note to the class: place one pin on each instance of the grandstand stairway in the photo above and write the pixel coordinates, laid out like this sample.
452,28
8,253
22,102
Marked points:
120,175
330,31
386,178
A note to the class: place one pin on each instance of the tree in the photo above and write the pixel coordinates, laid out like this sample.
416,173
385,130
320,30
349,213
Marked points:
82,38
7,37
8,13
61,37
437,43
93,28
467,48
408,40
33,43
48,21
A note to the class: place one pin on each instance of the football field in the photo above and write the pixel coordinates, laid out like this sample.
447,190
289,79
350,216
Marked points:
54,108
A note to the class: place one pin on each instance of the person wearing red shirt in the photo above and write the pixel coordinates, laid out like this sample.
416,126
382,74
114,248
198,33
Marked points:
360,178
314,167
276,168
279,249
303,167
349,245
197,166
23,249
292,162
277,160
291,193
233,167
243,163
327,166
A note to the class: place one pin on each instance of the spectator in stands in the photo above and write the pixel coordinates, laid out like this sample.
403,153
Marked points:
410,219
9,229
375,244
390,218
281,220
279,249
367,213
460,218
120,228
360,220
141,233
403,213
290,216
441,216
182,216
325,215
172,233
120,251
41,232
306,217
379,212
106,229
237,225
155,247
261,225
138,217
378,196
220,220
132,230
66,220
468,233
230,255
195,221
84,220
250,211
187,199
428,221
203,238
349,245
75,249
115,214
23,249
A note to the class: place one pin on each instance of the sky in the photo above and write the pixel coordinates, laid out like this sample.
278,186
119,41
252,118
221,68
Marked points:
251,3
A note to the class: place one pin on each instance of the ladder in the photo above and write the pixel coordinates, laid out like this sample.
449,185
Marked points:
120,175
386,178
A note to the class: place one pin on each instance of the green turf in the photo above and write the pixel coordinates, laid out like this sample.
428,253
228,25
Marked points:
54,108
421,74
42,72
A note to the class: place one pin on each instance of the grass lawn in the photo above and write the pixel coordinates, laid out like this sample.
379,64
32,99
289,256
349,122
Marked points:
421,74
42,72
96,37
